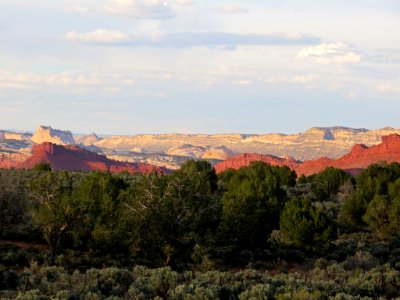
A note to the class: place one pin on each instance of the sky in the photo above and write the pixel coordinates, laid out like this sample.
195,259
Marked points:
199,66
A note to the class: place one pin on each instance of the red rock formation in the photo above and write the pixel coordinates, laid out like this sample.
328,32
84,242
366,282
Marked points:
242,160
358,158
10,160
74,158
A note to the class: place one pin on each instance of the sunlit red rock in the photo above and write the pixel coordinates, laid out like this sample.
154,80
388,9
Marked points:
242,160
74,158
358,158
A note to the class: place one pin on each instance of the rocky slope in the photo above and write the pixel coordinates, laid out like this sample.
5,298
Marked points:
245,159
360,156
220,153
170,150
10,160
16,136
88,140
316,142
206,152
74,158
55,136
187,150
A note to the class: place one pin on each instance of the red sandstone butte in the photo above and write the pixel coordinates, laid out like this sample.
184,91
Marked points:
74,158
241,160
358,158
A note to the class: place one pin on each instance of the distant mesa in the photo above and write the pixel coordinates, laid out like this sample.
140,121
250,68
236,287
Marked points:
173,149
187,150
75,158
55,136
17,136
358,158
220,153
88,140
204,152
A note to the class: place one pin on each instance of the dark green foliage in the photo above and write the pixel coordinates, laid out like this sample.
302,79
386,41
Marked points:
100,197
8,279
305,226
101,226
42,167
251,207
12,205
328,182
53,208
173,215
375,201
331,185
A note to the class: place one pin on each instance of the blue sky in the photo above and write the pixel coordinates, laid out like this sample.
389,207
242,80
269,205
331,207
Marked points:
193,66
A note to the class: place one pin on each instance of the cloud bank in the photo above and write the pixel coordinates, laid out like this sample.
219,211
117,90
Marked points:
330,53
232,9
98,36
150,9
190,39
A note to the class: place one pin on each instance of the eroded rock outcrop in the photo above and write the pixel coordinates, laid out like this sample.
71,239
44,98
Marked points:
11,160
316,142
55,136
88,140
242,160
358,158
187,150
74,158
220,153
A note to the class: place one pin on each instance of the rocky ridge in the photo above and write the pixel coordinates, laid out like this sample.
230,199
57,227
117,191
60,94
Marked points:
170,150
74,158
88,140
360,156
55,136
206,152
316,142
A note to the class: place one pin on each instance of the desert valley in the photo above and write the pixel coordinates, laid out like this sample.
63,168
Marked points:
199,150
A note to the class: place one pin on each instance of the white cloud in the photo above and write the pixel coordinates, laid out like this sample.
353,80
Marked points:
389,88
183,2
190,39
232,9
244,82
109,82
16,81
351,94
297,79
98,36
304,78
147,9
79,9
331,53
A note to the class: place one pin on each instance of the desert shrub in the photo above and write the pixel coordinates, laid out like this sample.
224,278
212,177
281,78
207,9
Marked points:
361,260
13,256
48,280
191,292
8,279
108,281
153,282
258,291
